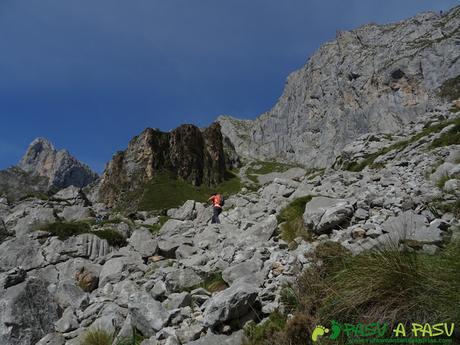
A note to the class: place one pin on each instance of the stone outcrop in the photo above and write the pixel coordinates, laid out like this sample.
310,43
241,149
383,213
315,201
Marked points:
27,312
187,152
42,169
377,78
16,183
59,167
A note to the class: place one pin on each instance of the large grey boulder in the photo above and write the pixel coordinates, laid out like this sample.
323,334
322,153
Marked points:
414,228
231,305
182,279
68,294
245,270
111,318
21,251
185,212
112,271
263,231
68,322
175,226
323,214
69,194
72,196
36,217
147,315
27,313
87,246
120,266
143,242
76,213
12,277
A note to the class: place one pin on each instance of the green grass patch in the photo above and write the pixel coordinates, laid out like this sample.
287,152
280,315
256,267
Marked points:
113,237
442,181
64,230
291,217
155,228
258,334
454,109
165,191
450,89
451,137
440,207
263,168
386,285
97,337
400,145
212,283
253,178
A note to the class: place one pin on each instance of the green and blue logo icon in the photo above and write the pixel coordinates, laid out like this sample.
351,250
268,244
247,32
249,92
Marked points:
376,332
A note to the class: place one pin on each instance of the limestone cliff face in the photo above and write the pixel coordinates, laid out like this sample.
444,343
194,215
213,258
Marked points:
59,167
187,152
377,78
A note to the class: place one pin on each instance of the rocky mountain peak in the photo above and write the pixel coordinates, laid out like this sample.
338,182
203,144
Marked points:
60,167
187,152
36,147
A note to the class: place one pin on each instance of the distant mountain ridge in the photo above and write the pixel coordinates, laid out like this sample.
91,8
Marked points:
377,78
43,168
193,155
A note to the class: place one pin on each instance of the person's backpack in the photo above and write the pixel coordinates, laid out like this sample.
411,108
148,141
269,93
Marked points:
221,200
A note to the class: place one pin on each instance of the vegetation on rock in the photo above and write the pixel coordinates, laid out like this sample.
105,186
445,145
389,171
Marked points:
64,230
452,137
290,218
375,286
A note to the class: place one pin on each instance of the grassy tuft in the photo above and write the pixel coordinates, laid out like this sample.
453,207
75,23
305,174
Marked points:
451,137
212,283
263,332
114,238
64,230
291,217
97,337
387,285
263,168
442,181
450,89
441,207
165,191
400,145
155,228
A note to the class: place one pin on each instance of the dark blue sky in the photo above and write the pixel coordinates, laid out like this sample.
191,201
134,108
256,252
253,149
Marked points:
91,74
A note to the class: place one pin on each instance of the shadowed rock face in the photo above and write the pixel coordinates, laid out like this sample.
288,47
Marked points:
59,167
194,155
377,78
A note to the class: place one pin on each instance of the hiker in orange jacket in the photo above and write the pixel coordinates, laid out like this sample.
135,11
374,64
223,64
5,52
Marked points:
217,203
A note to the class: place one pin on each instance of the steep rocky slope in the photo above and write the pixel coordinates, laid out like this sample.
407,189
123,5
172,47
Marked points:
377,78
163,282
69,266
194,155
